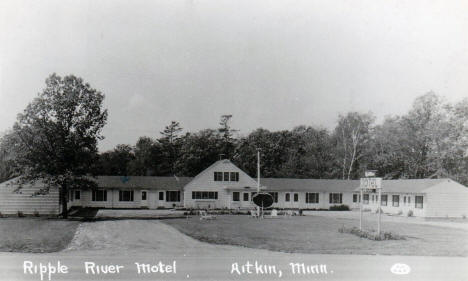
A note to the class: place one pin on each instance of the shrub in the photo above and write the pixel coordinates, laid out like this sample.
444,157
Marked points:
36,213
20,214
339,208
400,212
377,210
463,216
1,215
371,235
410,213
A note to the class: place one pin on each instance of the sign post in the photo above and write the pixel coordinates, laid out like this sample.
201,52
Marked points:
360,209
370,184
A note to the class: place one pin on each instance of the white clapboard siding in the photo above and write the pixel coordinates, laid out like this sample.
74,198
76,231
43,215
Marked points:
24,200
205,182
447,199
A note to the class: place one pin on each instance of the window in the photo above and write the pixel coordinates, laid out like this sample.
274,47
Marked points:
355,198
246,197
218,176
287,197
418,202
234,176
365,199
296,197
226,176
409,200
211,195
404,200
395,200
161,195
312,198
99,195
236,196
172,196
125,195
77,195
337,198
383,200
143,195
275,196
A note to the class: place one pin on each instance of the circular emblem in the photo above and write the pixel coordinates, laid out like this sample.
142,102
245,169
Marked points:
264,200
400,269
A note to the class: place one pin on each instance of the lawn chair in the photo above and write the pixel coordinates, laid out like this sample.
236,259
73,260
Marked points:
205,216
254,213
273,214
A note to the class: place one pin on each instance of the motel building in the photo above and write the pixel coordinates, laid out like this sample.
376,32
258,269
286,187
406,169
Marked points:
224,186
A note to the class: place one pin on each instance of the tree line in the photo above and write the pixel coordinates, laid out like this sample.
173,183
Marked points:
54,140
429,141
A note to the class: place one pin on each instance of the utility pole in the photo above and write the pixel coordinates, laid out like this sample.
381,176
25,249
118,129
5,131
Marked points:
258,178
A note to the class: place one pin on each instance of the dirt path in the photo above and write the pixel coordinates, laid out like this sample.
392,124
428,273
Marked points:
136,236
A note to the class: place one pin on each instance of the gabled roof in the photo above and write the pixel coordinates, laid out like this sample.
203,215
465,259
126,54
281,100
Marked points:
312,185
143,182
324,185
409,185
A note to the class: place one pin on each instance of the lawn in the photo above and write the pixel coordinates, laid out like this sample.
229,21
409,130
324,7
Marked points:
35,235
319,235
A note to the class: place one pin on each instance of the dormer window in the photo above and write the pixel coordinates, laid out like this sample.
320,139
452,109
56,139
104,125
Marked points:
226,176
218,176
234,176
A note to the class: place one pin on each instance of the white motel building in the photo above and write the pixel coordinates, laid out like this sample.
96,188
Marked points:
224,186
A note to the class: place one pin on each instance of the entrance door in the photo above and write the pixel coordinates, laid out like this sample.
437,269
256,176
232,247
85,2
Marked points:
160,199
144,198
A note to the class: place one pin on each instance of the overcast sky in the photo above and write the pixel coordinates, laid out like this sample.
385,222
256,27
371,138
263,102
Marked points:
271,64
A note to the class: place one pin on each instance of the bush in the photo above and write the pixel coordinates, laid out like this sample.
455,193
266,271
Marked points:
339,208
377,210
20,214
36,213
371,235
410,213
400,212
1,215
463,216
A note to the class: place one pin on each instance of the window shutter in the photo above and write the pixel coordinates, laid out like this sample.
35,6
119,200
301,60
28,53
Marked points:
330,198
341,198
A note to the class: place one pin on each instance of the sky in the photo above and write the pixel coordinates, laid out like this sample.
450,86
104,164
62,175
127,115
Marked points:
271,64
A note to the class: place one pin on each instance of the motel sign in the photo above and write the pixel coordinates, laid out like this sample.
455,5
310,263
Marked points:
371,183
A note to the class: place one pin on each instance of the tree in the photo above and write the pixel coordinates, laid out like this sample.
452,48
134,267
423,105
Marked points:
57,135
423,129
352,134
147,156
226,133
117,161
198,151
7,156
170,143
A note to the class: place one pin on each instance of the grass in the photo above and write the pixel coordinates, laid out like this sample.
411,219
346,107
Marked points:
35,235
320,235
